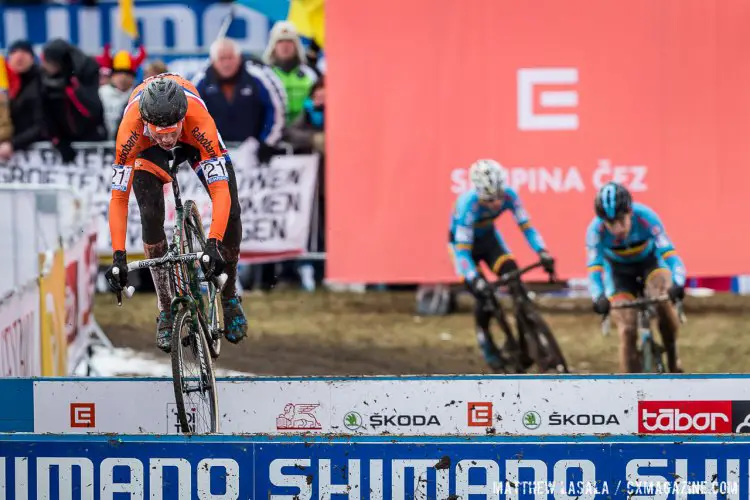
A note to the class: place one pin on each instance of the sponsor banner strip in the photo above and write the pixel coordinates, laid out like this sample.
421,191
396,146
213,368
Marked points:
371,406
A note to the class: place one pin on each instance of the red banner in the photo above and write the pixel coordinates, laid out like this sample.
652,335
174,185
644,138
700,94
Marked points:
565,94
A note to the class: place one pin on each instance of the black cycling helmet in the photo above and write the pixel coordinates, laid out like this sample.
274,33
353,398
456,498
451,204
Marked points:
612,201
163,102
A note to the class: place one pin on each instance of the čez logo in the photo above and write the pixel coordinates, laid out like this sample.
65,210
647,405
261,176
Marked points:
544,114
378,420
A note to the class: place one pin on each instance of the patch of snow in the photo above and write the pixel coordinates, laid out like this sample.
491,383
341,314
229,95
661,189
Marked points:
125,362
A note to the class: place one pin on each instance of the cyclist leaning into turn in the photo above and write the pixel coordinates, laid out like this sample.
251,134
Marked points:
164,115
474,238
629,252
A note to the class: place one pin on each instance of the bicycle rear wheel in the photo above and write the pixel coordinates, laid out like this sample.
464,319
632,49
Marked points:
193,377
194,240
542,345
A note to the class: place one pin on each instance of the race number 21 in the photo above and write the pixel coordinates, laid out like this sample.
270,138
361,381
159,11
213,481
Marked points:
215,169
120,177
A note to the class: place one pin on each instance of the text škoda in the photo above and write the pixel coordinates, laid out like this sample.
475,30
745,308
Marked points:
583,419
378,420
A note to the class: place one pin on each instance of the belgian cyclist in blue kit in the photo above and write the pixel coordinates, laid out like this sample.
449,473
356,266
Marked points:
629,252
474,238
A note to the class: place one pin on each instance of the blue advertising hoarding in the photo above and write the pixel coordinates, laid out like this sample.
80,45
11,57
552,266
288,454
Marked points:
168,29
111,467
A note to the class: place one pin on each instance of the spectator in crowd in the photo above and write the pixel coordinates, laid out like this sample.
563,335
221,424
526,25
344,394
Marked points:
105,65
6,78
27,113
115,94
287,56
242,99
306,134
155,68
70,83
245,100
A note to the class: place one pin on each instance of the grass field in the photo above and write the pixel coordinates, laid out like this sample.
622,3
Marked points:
295,333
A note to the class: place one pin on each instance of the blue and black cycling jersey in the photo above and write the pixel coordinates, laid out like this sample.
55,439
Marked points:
472,221
647,241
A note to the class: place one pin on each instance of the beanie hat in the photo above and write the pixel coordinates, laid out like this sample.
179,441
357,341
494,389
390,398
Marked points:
23,45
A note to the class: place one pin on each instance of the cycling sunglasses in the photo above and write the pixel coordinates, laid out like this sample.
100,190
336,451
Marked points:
155,130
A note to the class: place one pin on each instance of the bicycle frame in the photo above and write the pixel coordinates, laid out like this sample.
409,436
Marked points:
645,334
505,280
183,296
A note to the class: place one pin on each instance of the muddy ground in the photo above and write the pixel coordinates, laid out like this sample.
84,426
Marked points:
295,333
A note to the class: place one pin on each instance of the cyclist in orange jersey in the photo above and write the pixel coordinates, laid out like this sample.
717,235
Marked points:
165,116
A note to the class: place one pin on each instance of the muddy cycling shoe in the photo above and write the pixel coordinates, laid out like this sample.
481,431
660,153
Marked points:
235,323
164,331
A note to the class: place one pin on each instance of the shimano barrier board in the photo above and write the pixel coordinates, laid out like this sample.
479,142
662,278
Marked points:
368,468
463,437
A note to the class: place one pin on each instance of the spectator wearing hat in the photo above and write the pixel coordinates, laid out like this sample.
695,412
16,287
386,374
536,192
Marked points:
25,93
115,94
105,65
73,110
286,55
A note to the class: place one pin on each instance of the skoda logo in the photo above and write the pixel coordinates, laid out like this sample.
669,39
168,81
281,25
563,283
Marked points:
532,420
353,421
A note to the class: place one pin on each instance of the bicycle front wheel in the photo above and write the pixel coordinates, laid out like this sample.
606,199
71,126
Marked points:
193,377
543,347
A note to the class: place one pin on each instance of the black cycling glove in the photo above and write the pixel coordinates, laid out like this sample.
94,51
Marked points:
676,293
215,266
548,262
601,305
119,282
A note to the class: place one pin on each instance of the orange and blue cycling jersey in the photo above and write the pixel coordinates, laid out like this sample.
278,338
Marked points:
471,221
646,240
199,134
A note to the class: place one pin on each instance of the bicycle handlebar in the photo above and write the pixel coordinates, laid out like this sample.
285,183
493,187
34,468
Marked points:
506,278
218,281
643,303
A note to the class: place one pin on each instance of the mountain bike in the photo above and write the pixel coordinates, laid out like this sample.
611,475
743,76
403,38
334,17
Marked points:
536,345
195,306
650,351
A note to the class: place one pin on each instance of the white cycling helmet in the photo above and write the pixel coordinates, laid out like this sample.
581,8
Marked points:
489,178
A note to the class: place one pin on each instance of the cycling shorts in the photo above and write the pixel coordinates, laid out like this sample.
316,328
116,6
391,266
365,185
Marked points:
490,248
629,279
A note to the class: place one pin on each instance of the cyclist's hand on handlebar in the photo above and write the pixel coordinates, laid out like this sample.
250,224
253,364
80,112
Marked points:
601,305
119,282
215,265
676,293
479,286
548,262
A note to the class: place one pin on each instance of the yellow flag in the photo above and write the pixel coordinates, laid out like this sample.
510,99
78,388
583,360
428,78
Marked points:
127,17
308,16
3,75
